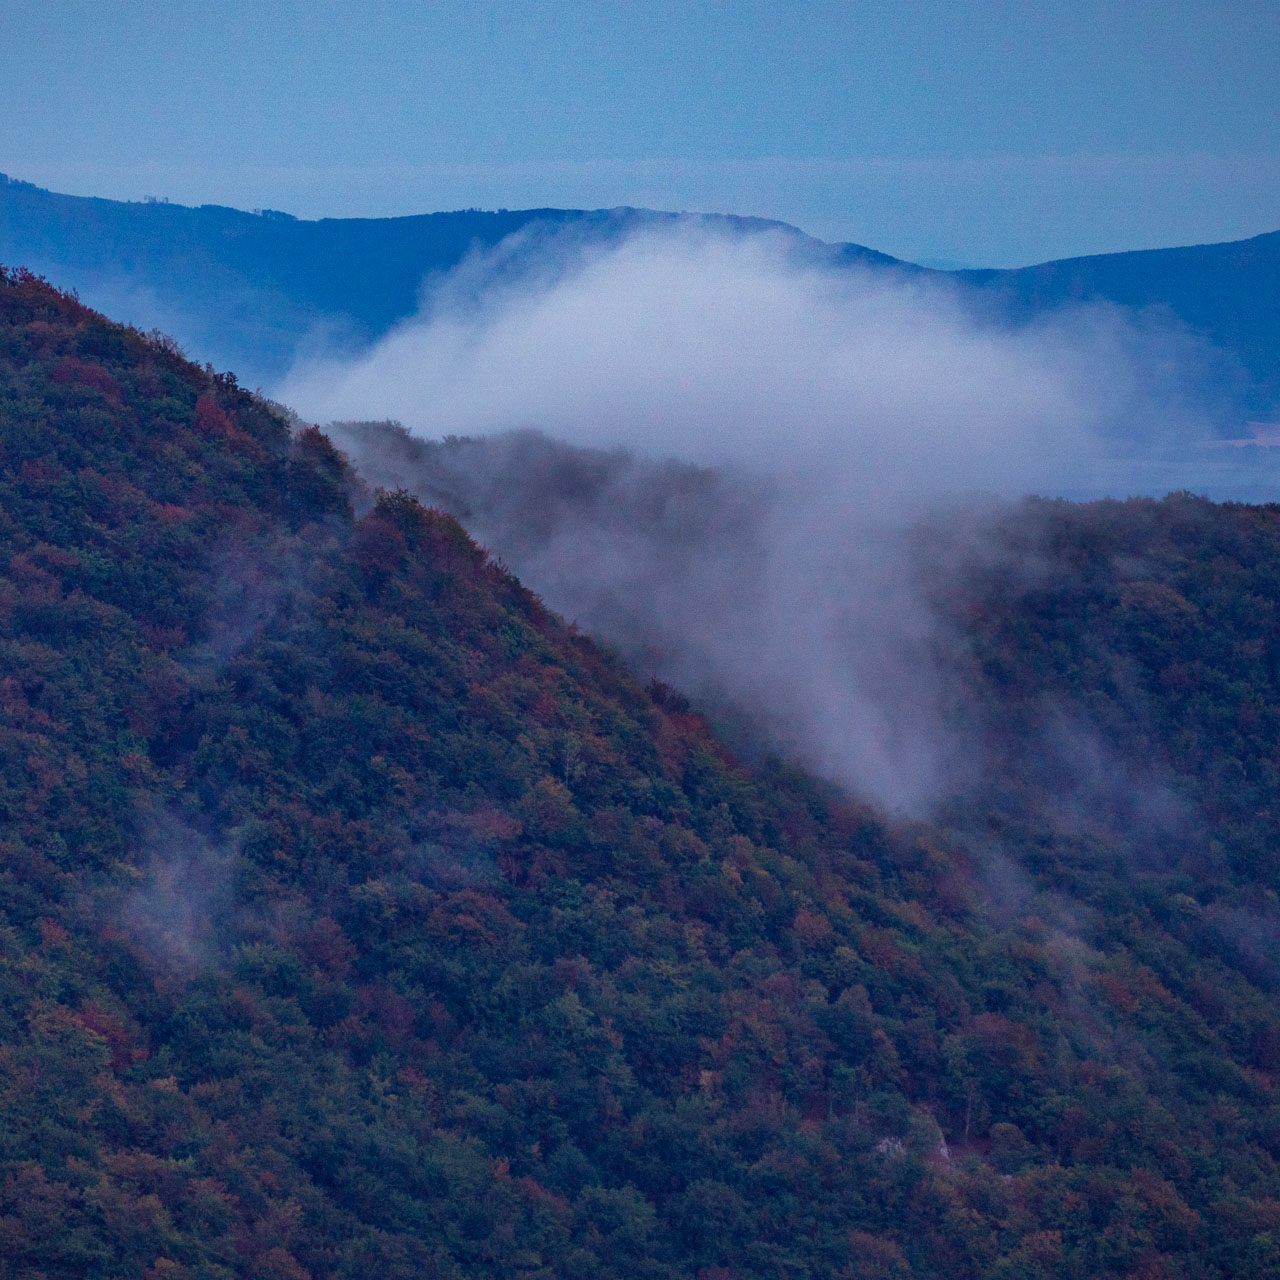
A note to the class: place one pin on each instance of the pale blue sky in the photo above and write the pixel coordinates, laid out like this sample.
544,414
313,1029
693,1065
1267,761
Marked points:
990,132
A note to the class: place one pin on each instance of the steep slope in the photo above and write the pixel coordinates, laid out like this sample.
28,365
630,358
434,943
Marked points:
359,918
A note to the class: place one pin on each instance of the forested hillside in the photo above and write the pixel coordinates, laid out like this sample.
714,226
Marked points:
360,918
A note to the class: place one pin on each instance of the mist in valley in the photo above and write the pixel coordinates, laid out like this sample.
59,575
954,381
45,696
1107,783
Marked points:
766,481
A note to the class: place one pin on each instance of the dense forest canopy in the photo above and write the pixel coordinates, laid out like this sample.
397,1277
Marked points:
359,917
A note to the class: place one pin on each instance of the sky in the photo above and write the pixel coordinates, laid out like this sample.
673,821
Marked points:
986,133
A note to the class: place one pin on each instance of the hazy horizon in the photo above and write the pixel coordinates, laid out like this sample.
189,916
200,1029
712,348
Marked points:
988,135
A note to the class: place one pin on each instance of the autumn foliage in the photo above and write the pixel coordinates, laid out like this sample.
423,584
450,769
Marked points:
359,918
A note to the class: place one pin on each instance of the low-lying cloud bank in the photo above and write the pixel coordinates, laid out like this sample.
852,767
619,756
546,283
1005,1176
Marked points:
761,438
721,349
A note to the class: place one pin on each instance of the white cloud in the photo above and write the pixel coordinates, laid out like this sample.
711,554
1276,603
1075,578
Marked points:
838,410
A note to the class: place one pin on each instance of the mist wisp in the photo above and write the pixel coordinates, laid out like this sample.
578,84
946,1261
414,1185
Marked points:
174,914
717,459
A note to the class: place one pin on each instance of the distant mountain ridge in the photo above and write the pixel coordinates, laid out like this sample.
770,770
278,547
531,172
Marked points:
252,291
1229,293
247,290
